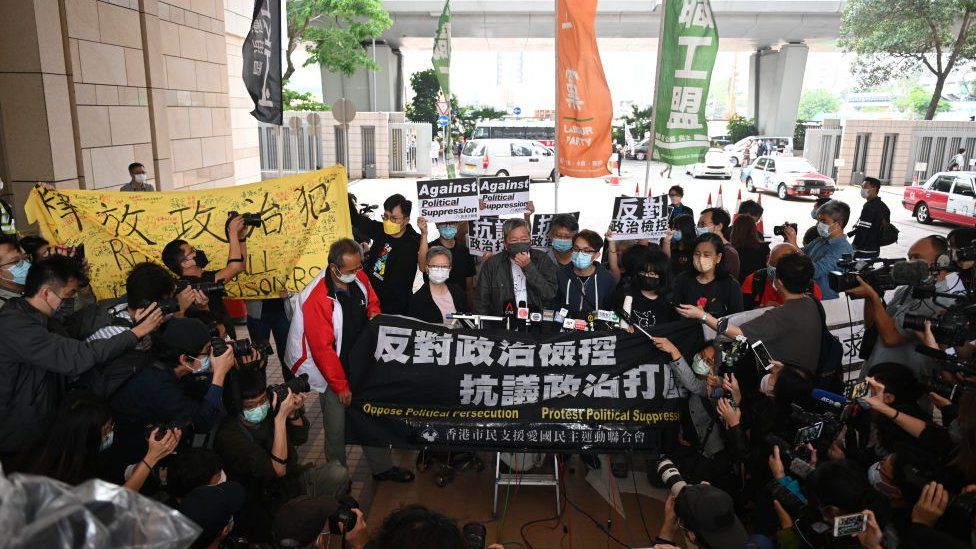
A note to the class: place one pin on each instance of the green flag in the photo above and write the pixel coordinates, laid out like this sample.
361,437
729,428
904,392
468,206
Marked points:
441,58
689,43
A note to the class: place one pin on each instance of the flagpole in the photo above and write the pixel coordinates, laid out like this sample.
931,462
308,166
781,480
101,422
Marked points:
555,112
448,151
654,101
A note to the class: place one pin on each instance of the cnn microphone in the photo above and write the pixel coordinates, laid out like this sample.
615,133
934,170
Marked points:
509,313
910,272
830,399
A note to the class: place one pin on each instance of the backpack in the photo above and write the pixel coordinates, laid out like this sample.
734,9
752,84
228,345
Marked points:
829,375
888,234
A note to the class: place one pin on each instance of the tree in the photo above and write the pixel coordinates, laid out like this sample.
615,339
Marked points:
334,31
817,101
896,37
799,135
426,93
741,127
468,116
638,122
917,103
297,101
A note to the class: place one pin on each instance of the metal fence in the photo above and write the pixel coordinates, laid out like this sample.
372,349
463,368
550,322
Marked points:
410,144
934,148
291,148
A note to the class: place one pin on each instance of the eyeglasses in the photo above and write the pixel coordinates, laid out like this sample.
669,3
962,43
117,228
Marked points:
584,250
388,217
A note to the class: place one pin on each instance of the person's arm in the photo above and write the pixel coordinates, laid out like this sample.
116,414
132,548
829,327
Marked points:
279,445
320,336
363,224
612,255
875,399
875,312
696,313
236,250
422,246
541,279
241,454
686,377
158,449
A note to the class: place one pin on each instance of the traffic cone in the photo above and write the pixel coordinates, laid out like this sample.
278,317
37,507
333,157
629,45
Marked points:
738,201
637,189
718,201
709,203
760,224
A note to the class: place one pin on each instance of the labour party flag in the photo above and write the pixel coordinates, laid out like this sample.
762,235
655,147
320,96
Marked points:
583,107
689,42
441,58
262,61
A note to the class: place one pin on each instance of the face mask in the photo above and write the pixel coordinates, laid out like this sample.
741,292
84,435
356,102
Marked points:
18,271
140,178
448,232
391,228
701,230
517,248
201,260
204,365
648,283
344,278
107,441
878,483
223,477
257,415
562,245
766,385
699,366
864,193
582,260
65,308
704,264
676,236
438,275
823,229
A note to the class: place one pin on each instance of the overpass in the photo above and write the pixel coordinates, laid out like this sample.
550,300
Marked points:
779,32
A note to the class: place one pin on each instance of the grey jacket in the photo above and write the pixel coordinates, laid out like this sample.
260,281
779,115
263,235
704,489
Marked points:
34,365
698,402
495,285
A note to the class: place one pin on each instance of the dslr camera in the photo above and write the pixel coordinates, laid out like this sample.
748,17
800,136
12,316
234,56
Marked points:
955,326
343,520
164,427
212,288
240,347
878,278
671,476
780,230
297,385
250,219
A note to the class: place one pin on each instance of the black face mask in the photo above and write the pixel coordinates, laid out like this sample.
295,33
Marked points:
201,259
647,283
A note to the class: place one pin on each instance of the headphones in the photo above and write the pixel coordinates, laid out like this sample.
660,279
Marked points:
944,260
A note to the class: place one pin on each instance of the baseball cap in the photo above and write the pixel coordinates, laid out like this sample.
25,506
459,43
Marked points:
212,507
710,513
187,335
302,519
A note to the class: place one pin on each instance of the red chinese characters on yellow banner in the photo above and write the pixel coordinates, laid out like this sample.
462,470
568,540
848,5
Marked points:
584,111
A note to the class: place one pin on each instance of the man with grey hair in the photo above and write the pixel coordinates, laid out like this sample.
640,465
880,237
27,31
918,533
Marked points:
518,275
331,313
829,246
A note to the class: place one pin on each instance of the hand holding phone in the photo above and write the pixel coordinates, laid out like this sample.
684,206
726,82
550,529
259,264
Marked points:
763,358
848,525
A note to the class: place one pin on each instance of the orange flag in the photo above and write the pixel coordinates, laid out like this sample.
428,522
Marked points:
583,107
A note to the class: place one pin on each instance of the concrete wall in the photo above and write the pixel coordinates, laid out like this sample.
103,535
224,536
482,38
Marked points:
358,86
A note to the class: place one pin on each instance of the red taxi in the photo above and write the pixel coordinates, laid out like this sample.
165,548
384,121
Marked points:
946,196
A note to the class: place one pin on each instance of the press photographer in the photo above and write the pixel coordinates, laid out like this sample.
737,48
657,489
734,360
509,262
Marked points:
705,513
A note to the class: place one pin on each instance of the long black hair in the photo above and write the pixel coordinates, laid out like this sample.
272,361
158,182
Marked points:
71,451
654,261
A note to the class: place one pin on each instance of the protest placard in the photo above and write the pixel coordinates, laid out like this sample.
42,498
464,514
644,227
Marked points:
485,236
504,195
636,217
448,199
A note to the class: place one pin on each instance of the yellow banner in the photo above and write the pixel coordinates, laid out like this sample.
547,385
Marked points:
302,215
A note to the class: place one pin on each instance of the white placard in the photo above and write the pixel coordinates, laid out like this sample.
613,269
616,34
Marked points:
504,195
448,199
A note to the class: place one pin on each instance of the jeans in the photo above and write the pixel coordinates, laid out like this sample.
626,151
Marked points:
273,322
334,418
329,479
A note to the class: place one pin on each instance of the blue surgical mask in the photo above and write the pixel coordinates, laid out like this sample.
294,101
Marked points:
107,441
582,260
448,232
676,236
18,271
562,245
257,415
701,230
823,229
204,365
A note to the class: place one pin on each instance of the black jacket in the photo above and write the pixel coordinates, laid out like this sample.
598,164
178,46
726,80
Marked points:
34,364
392,280
867,230
422,306
495,286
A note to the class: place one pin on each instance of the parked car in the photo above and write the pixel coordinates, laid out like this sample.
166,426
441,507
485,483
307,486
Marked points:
946,196
640,149
787,176
782,146
501,157
715,163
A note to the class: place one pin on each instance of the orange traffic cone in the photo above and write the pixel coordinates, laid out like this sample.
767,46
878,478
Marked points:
709,203
718,201
637,189
738,201
613,180
760,224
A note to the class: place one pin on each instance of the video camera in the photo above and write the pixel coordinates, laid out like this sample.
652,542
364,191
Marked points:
955,326
880,278
212,288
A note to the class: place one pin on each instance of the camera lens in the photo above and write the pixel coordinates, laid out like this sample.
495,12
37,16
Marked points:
670,476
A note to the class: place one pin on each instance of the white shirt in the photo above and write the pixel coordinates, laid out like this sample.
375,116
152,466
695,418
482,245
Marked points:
519,283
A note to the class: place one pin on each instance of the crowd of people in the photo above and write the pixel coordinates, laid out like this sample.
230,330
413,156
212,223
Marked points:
154,392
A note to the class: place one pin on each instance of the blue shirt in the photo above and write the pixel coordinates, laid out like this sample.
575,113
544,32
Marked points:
824,253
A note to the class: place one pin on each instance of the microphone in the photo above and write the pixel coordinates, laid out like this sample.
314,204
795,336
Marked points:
910,273
509,313
830,399
628,306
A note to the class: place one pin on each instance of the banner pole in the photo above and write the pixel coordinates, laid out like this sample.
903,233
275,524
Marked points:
555,111
654,102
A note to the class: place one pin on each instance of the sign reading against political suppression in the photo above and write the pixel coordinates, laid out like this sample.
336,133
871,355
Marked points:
504,195
541,223
485,236
417,384
689,46
636,217
301,215
448,199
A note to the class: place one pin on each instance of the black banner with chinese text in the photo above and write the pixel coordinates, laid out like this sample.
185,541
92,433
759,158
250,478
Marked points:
262,61
416,384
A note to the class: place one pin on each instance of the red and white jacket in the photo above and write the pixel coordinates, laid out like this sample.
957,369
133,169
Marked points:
315,335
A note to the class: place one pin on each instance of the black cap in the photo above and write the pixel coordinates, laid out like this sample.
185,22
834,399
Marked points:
710,513
187,335
212,507
300,521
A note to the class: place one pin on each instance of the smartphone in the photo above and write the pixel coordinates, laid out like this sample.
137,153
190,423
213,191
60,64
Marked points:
717,392
858,390
847,525
809,434
763,357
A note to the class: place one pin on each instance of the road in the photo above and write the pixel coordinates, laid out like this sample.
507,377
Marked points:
593,198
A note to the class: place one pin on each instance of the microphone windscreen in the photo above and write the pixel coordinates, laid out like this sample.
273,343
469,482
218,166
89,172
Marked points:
909,272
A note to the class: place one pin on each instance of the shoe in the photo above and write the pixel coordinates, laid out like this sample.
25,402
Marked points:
619,470
395,474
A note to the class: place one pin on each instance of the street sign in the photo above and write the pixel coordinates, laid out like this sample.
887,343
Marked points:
442,120
343,111
517,111
921,166
839,162
443,107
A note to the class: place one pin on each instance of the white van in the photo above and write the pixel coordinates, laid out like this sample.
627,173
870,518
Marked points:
782,146
501,157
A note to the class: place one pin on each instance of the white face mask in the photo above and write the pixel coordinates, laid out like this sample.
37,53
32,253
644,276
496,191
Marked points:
140,178
766,385
223,477
438,275
699,366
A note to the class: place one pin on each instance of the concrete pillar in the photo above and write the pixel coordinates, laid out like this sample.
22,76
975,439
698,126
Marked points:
358,87
775,83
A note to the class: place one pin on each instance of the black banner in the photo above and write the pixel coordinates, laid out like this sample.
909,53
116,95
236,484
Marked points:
416,384
262,61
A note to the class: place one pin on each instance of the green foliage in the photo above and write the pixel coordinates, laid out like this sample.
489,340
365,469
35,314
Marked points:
916,103
816,101
426,92
799,136
638,122
333,31
897,37
741,127
297,101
